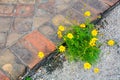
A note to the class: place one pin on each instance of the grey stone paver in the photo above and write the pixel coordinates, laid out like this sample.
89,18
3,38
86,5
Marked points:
19,18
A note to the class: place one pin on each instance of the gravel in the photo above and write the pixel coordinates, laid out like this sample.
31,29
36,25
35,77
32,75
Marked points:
108,64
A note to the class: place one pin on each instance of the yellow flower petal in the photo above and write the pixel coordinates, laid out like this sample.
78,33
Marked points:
82,25
41,55
62,48
96,70
111,42
87,14
93,42
69,35
59,33
61,28
87,66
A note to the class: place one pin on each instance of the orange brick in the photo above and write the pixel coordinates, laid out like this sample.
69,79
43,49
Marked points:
40,42
3,76
29,46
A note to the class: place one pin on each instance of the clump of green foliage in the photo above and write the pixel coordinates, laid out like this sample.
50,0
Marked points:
81,42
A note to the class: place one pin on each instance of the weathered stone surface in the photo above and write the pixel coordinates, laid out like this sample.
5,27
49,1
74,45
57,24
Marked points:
25,55
46,7
48,30
60,20
3,76
73,16
5,24
24,10
29,46
8,68
39,42
11,64
6,10
3,37
12,37
96,4
8,1
22,25
27,1
38,21
109,2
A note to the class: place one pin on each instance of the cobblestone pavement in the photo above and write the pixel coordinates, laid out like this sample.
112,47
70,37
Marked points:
29,26
108,63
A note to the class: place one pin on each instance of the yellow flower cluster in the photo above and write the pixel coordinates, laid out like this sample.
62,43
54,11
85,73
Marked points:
93,42
88,66
62,48
60,29
94,32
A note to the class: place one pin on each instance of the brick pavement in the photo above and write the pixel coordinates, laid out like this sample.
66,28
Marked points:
29,26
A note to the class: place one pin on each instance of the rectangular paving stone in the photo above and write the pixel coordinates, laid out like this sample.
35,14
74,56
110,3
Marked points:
27,1
73,15
38,21
60,20
28,47
24,54
24,10
109,2
5,24
22,25
8,1
3,37
6,10
3,76
48,30
11,64
39,42
47,6
96,4
12,38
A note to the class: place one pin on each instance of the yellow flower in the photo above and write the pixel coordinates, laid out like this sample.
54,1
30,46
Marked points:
87,13
41,55
94,32
69,35
61,28
59,33
93,42
87,65
82,25
62,48
111,42
94,39
96,70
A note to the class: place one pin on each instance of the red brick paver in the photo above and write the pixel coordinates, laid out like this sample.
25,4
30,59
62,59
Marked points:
29,46
3,76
